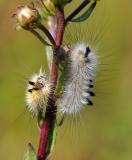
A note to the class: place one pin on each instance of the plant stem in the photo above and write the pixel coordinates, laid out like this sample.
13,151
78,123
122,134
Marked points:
46,130
47,33
50,115
60,25
76,11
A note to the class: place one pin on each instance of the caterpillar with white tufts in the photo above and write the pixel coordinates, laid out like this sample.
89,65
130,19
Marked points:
78,88
37,93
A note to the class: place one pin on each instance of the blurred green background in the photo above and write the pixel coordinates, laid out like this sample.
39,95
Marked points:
103,132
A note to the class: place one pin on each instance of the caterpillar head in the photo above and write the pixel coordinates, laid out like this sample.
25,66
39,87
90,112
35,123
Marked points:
37,92
81,54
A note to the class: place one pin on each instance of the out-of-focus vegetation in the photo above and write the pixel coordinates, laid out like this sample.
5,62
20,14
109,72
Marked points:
103,132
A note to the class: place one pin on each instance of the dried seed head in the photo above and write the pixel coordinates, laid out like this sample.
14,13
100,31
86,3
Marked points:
37,92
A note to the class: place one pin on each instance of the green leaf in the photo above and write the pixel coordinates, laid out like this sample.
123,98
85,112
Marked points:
40,119
40,38
62,61
86,14
62,70
61,2
47,9
30,154
42,15
49,56
52,137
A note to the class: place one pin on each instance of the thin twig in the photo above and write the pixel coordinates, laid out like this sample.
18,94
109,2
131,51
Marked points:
47,33
76,11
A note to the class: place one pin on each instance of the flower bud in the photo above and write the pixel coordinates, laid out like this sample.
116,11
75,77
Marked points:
27,17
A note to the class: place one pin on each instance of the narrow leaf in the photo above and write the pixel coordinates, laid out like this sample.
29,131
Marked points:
62,61
86,14
51,137
42,14
30,154
40,38
47,9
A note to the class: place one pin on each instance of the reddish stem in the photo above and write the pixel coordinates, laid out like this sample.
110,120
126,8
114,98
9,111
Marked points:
43,141
60,25
45,130
51,108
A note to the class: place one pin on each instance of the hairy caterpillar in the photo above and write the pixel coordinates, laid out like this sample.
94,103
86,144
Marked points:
37,92
78,87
